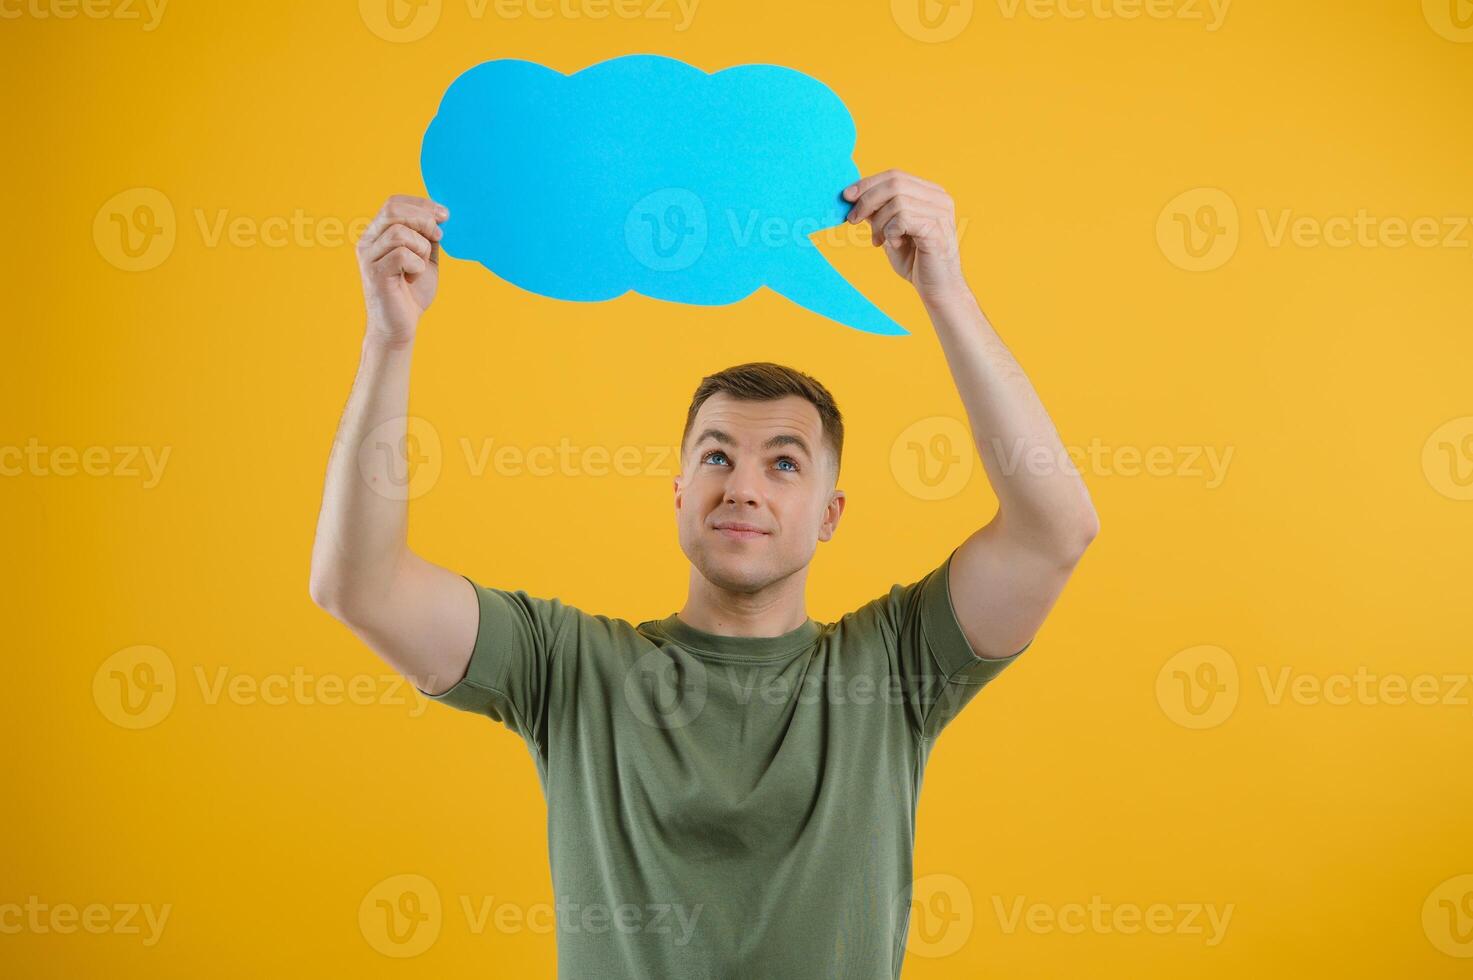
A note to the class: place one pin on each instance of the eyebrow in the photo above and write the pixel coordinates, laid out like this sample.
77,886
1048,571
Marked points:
783,439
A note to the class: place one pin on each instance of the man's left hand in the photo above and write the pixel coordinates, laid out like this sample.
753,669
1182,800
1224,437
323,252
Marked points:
916,222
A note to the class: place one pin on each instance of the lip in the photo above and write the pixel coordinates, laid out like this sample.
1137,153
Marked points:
738,530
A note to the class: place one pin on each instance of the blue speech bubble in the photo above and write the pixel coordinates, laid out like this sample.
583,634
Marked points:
644,173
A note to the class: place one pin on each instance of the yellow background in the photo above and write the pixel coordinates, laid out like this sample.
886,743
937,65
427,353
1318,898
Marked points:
1333,543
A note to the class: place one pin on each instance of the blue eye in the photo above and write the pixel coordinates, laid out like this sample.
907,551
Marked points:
710,455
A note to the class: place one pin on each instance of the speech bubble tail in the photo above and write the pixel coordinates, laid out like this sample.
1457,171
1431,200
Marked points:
811,281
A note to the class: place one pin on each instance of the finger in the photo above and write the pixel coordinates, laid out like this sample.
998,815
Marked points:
396,236
856,190
923,229
897,206
881,192
401,261
902,179
882,217
871,199
421,214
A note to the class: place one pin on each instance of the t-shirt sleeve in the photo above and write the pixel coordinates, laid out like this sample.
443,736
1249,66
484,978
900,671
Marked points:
936,665
511,673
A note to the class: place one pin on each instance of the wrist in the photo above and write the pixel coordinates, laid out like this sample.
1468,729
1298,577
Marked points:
381,343
948,294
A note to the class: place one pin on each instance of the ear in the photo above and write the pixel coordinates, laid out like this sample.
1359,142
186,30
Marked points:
831,515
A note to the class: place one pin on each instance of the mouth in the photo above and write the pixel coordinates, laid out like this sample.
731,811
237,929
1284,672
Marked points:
738,531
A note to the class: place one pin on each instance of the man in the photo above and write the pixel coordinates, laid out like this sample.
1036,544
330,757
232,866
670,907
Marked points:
731,790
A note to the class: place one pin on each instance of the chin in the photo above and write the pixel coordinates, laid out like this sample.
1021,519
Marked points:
734,574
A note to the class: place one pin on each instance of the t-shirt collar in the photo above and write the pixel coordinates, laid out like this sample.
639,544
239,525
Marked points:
752,648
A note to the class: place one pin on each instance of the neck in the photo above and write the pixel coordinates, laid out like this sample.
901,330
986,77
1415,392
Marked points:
775,609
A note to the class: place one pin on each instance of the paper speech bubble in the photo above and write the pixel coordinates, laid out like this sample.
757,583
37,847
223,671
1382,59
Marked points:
644,173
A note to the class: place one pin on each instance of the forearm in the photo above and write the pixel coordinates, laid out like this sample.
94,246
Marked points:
1040,493
362,530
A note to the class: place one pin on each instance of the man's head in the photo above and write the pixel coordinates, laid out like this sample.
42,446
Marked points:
761,449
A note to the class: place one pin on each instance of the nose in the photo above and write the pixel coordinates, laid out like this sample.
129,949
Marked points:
742,486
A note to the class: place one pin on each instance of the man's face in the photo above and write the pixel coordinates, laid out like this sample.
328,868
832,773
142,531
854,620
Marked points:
763,465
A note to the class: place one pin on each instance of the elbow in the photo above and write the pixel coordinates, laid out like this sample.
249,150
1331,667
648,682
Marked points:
1087,529
327,593
323,595
1073,539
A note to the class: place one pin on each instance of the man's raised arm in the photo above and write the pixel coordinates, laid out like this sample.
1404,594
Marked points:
417,616
1006,577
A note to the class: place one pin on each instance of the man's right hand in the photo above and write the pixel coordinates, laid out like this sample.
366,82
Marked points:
421,618
399,258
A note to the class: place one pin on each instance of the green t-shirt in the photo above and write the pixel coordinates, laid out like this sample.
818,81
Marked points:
727,808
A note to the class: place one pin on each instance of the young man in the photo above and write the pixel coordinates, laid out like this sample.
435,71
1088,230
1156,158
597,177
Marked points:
731,790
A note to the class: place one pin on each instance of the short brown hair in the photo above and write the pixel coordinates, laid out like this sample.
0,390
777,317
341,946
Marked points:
766,381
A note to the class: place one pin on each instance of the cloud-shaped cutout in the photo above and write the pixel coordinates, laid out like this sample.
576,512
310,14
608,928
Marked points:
644,173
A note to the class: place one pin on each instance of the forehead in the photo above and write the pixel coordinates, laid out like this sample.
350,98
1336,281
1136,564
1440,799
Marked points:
742,419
